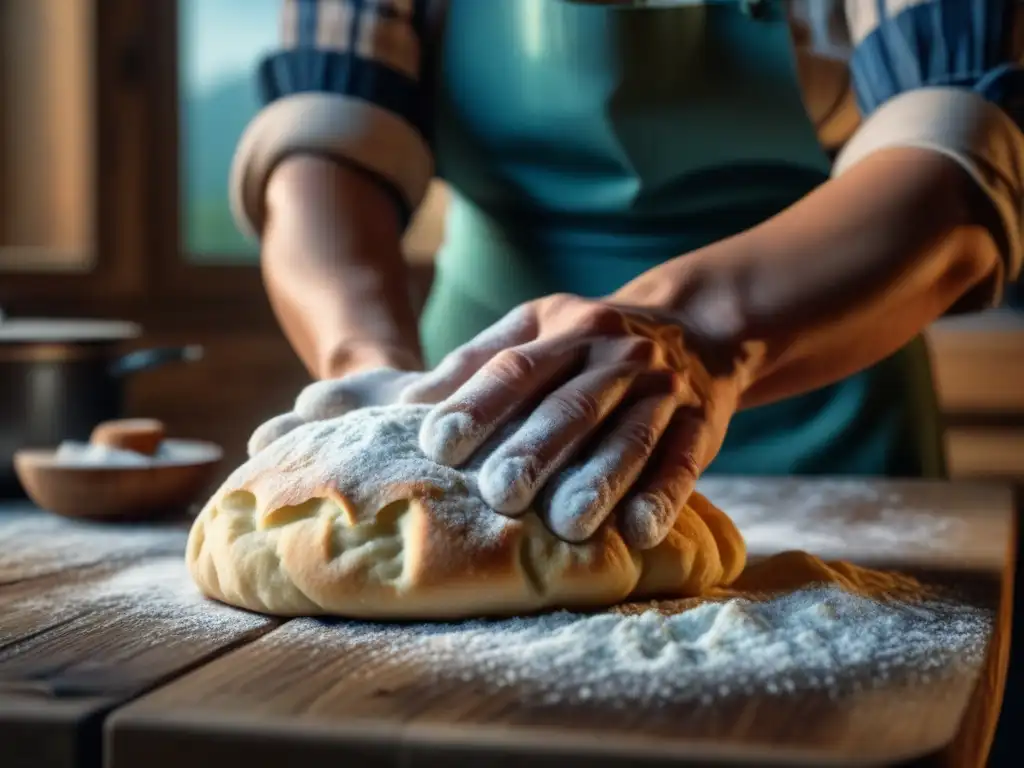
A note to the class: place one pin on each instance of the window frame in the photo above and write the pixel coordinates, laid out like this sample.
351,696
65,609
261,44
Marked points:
139,268
138,265
120,159
175,273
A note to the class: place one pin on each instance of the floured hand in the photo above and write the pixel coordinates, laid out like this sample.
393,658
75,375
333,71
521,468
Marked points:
648,413
331,398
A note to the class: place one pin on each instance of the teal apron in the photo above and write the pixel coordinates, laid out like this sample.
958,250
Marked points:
586,144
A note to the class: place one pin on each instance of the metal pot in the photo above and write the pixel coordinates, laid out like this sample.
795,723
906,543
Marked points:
59,378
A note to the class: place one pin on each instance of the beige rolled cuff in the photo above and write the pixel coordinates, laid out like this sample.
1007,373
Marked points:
965,127
332,125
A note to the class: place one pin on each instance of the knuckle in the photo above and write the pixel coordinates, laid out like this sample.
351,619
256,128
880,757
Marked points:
511,365
523,320
556,301
640,436
687,464
577,405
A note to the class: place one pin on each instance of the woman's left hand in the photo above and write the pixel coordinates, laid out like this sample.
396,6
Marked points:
623,411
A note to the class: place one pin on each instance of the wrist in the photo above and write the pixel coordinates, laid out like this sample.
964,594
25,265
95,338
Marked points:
707,299
702,292
354,357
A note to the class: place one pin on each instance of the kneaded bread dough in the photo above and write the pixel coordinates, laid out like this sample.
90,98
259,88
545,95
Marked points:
347,517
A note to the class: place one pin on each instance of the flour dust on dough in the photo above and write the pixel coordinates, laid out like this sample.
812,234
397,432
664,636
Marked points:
347,517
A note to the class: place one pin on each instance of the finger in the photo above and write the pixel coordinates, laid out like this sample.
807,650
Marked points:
579,499
332,398
516,328
459,425
326,399
388,390
651,509
272,430
519,467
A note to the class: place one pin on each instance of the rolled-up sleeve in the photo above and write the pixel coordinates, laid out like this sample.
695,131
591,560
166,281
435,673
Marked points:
945,75
346,84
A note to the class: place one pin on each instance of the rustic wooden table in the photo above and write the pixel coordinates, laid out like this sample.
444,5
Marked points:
108,657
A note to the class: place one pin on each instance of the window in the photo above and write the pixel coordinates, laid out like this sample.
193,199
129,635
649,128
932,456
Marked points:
119,124
74,122
216,100
219,45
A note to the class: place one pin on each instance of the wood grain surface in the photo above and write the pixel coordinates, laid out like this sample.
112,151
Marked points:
91,616
303,695
37,544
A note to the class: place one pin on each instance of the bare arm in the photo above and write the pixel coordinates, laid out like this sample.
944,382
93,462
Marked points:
329,172
923,213
334,271
840,280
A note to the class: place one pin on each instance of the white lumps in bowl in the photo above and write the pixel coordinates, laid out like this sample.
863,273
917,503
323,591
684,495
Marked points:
72,453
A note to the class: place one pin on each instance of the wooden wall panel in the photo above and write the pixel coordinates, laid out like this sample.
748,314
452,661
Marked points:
243,379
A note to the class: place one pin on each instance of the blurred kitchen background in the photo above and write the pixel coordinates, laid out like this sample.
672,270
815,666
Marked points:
118,120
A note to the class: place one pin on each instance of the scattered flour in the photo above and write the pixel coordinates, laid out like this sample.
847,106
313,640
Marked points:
34,543
869,521
157,596
171,452
822,639
881,516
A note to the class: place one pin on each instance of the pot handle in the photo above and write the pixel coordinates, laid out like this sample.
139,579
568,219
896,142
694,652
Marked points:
145,359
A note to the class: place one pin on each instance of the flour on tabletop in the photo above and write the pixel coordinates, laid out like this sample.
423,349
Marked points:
33,543
157,595
842,518
817,639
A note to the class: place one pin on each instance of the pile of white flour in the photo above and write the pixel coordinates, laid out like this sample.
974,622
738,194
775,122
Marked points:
822,639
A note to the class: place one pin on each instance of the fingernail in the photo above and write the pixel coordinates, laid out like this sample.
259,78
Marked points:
646,520
448,439
508,485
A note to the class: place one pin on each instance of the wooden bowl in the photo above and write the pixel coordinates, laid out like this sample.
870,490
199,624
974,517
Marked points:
161,489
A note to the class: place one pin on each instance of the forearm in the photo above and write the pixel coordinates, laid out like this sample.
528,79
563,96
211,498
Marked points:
334,271
838,281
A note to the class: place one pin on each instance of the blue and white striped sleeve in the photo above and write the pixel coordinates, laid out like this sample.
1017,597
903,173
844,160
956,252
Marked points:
945,75
345,84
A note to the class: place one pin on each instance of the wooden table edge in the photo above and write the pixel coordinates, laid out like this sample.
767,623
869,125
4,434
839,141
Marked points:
422,741
974,739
